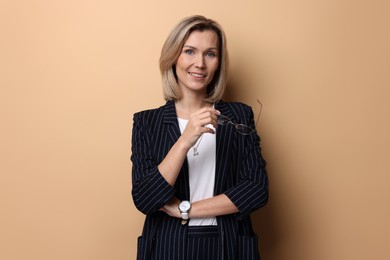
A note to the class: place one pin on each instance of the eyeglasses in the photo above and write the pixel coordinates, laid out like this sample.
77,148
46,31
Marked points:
240,128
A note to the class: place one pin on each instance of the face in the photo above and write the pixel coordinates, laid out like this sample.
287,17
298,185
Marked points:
198,61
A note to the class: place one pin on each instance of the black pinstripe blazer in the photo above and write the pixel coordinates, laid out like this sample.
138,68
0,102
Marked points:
240,174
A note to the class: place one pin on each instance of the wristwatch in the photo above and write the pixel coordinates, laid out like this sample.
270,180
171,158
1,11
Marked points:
184,208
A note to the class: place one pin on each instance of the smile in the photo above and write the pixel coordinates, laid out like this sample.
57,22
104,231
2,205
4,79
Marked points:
197,75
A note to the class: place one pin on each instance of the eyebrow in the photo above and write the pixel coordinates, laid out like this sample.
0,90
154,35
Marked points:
192,47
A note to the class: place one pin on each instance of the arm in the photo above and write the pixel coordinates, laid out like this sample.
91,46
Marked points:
172,163
152,182
211,207
150,190
251,190
214,206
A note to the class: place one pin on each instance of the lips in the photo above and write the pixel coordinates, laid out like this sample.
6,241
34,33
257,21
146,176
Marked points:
197,75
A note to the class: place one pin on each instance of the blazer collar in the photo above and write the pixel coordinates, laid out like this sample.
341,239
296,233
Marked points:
223,145
170,119
170,116
222,107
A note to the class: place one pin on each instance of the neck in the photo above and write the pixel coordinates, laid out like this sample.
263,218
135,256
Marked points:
186,106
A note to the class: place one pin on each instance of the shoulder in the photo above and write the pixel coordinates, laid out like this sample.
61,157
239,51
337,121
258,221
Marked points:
149,115
148,112
236,106
236,109
156,116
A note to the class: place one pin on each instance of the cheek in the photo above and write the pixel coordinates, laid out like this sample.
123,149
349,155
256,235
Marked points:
182,61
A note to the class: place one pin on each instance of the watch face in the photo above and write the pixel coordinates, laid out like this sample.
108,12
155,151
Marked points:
185,206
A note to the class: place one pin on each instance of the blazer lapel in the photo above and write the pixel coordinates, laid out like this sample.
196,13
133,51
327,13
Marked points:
224,143
170,120
224,140
173,133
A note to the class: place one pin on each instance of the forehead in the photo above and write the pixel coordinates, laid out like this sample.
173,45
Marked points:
206,39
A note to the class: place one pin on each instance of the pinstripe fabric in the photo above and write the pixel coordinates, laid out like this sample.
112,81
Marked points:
202,243
240,175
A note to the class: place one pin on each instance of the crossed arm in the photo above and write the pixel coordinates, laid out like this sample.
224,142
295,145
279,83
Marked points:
153,185
172,163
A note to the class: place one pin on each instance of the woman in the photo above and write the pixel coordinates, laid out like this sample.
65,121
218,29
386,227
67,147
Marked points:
197,166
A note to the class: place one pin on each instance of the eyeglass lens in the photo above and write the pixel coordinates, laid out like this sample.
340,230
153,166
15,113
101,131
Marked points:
241,128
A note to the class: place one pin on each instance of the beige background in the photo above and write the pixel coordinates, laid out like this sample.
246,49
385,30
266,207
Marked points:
73,72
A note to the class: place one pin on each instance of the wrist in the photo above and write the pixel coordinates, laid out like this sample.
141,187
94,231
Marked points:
184,209
183,145
194,208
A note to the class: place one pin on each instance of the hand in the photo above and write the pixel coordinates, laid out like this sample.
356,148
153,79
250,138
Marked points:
197,125
172,208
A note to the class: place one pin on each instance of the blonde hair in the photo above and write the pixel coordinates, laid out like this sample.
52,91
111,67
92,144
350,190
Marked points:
173,47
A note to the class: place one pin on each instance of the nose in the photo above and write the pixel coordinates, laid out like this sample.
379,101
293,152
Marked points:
200,62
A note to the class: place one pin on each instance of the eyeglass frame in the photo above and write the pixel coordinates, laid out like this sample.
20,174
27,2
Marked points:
237,126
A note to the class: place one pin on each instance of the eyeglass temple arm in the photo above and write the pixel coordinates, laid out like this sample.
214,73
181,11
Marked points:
261,107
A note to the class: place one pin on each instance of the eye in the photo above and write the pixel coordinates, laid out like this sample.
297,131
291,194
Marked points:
211,54
189,51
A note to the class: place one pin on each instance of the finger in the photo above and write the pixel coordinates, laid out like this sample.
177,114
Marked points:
209,130
206,110
209,121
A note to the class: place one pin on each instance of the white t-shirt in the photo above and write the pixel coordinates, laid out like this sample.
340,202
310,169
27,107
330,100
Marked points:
201,169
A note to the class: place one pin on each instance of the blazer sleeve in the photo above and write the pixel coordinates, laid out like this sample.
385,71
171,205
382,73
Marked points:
150,191
251,190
